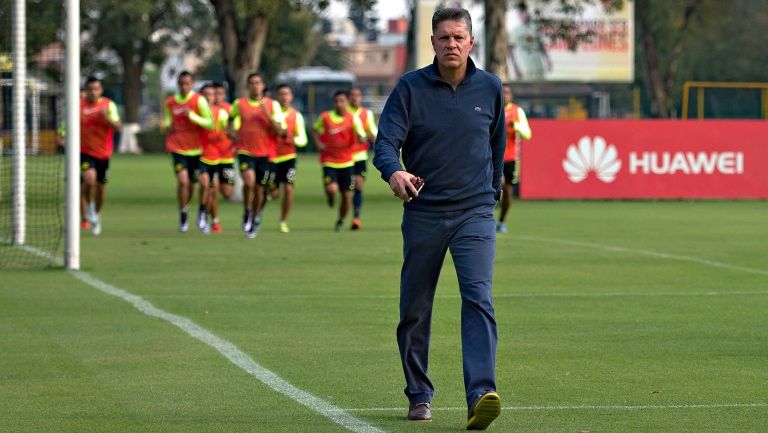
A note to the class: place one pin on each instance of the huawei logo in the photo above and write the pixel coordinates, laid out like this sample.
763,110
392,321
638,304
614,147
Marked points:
591,155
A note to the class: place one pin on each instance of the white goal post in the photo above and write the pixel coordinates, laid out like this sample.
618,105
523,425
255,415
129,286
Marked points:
72,166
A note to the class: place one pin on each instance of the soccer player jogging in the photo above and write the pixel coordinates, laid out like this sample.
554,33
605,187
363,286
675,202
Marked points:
336,133
517,130
257,122
216,159
285,159
447,119
98,121
224,181
187,116
361,150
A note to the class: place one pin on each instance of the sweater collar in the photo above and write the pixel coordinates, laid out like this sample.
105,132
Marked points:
434,73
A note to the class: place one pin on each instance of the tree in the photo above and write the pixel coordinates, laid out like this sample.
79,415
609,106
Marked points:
295,39
243,27
663,32
496,38
137,31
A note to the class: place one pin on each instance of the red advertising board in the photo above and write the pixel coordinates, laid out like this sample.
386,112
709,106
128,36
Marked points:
645,159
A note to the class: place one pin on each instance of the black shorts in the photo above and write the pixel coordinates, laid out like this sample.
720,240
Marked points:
340,176
101,166
361,168
260,165
510,172
191,163
285,172
225,172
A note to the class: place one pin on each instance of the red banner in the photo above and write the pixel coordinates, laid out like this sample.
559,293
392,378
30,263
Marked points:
645,159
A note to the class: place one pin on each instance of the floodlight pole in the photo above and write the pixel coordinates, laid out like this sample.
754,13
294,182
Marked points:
72,85
19,122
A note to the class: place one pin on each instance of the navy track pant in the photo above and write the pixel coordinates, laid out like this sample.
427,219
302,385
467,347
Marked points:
470,236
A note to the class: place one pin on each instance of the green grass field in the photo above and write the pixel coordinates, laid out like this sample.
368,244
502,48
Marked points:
613,317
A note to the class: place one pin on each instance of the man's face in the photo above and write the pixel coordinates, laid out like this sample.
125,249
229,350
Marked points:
255,87
355,97
93,91
285,96
507,94
452,44
220,95
185,84
209,94
340,103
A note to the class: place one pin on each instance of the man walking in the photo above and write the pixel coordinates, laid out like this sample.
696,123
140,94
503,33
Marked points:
98,121
285,160
360,154
517,130
448,121
257,121
187,115
336,132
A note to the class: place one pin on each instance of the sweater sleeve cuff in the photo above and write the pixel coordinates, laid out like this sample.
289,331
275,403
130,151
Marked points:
390,170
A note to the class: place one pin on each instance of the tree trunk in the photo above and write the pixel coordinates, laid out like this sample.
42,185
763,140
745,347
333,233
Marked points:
657,90
249,55
241,53
133,67
496,38
661,83
411,37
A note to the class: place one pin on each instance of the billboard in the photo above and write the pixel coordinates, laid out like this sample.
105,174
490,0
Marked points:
626,159
533,55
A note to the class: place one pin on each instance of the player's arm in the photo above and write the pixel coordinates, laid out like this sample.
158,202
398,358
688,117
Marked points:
113,116
498,141
317,129
277,119
300,135
205,118
235,120
167,124
521,126
371,130
357,124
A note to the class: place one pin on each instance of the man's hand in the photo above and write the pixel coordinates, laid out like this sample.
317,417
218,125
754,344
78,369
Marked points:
401,185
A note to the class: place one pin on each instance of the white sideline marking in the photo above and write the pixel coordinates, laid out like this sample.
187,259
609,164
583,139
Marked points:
713,293
226,348
647,253
236,356
582,407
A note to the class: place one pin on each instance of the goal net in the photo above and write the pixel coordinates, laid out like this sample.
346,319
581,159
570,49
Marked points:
31,161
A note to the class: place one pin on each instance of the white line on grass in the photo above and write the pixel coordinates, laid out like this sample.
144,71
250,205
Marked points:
647,253
236,356
582,407
713,293
226,348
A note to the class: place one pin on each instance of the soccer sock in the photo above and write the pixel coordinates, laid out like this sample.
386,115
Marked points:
216,220
202,209
331,198
357,201
183,215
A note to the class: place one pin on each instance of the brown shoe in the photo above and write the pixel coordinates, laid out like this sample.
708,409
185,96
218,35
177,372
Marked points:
483,411
419,412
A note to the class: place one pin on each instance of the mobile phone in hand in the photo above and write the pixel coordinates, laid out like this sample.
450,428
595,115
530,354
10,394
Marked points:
418,183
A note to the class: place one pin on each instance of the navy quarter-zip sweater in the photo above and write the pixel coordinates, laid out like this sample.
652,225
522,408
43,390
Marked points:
454,139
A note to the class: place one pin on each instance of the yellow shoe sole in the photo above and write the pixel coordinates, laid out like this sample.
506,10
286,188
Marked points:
487,409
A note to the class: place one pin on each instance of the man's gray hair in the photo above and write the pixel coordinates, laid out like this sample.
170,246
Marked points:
452,14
